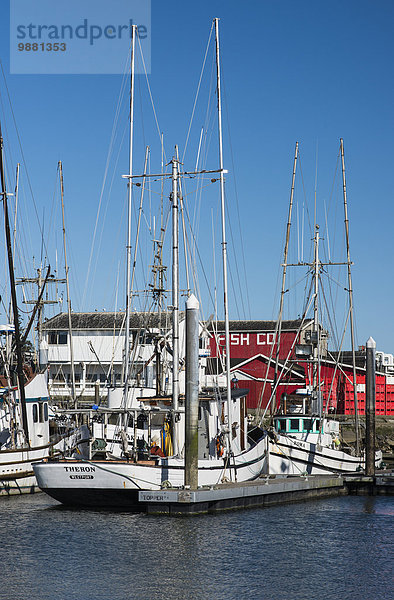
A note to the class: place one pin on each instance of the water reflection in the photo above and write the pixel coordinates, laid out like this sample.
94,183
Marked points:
324,549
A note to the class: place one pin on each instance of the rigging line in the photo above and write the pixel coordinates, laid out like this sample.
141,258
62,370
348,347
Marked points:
315,194
327,233
234,179
51,227
236,266
150,93
334,244
284,366
198,91
305,207
188,257
198,253
332,321
108,196
109,154
208,130
335,176
21,149
234,293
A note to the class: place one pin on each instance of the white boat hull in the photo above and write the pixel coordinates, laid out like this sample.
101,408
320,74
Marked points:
116,484
289,456
16,470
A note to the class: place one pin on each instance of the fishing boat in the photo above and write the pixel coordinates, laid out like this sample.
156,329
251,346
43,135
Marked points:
304,437
24,409
206,427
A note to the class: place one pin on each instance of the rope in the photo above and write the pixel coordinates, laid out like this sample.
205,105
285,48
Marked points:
197,93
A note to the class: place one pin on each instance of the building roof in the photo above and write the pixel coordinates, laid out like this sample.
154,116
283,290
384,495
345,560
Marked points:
258,326
138,320
347,358
106,320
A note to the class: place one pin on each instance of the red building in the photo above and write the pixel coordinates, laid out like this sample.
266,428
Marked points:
253,358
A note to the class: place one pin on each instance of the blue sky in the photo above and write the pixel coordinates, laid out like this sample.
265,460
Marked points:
302,71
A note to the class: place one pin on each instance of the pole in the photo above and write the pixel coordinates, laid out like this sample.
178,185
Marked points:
73,393
283,291
349,272
128,243
191,401
175,299
224,242
318,405
370,408
19,357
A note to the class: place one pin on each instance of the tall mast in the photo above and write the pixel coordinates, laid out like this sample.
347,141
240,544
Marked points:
73,393
316,341
18,166
128,244
175,296
19,358
224,242
349,274
285,255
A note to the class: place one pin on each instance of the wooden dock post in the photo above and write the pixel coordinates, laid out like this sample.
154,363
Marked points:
370,408
191,400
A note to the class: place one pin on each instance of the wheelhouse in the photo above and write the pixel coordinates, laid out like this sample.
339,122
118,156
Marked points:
297,424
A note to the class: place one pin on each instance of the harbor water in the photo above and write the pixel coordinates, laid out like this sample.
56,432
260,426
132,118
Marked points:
325,549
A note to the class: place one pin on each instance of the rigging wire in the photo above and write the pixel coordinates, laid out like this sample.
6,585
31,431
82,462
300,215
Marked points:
234,179
21,150
197,92
107,164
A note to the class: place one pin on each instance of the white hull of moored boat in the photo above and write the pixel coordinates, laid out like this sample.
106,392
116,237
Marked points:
289,456
16,470
117,483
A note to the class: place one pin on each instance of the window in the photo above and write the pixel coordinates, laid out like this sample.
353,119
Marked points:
281,426
57,337
308,425
294,425
35,413
62,337
41,411
46,411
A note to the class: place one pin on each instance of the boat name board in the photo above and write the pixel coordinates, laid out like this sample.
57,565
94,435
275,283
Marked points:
87,469
155,497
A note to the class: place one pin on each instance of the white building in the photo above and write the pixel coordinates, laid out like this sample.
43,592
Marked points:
98,347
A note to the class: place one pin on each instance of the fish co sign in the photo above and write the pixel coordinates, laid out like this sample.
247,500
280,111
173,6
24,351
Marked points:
247,339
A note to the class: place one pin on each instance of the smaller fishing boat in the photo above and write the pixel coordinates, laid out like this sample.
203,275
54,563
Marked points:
24,398
17,453
304,443
304,436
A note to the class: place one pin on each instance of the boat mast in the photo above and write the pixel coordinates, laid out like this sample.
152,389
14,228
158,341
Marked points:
349,274
18,166
316,340
73,393
175,297
224,243
19,358
283,291
128,243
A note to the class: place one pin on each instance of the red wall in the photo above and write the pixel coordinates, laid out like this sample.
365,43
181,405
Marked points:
245,345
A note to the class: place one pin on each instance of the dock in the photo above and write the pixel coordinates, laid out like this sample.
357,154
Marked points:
264,492
229,496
